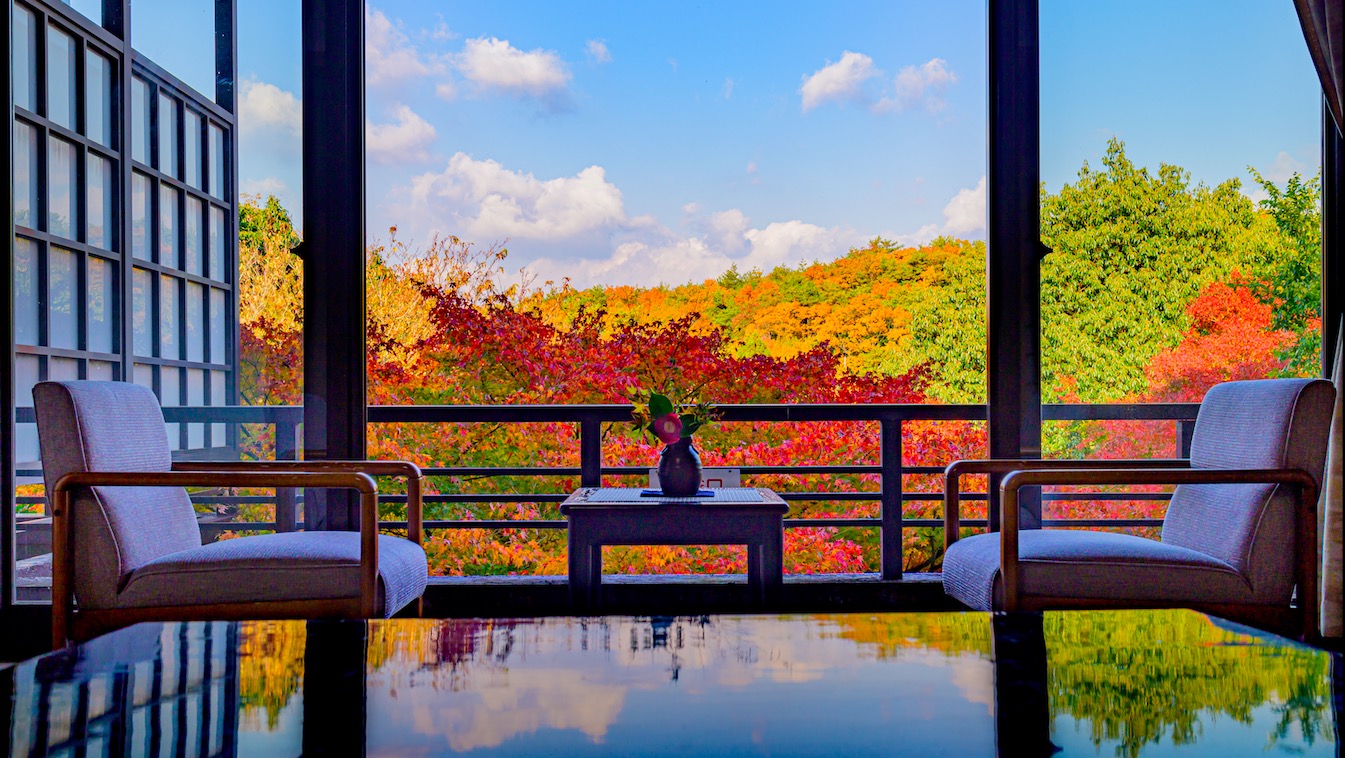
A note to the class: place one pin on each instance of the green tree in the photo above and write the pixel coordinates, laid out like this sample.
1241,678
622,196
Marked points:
1130,250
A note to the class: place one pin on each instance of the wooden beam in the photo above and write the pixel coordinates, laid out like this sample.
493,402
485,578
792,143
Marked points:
1014,248
333,247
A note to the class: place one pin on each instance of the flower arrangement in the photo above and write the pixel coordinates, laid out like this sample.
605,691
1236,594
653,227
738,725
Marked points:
656,413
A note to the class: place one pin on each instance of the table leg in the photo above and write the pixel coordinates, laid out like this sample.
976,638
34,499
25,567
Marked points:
595,576
773,563
580,556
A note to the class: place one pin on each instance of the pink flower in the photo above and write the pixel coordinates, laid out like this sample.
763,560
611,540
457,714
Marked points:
668,428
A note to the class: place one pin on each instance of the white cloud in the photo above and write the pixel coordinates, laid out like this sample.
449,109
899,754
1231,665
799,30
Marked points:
577,227
494,64
842,81
727,92
489,202
262,187
597,51
266,107
1284,167
964,216
849,80
919,86
406,140
389,55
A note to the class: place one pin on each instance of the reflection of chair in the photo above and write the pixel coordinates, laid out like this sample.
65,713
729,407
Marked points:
126,543
1240,529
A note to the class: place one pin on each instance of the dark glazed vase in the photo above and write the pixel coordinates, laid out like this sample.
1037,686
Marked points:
679,469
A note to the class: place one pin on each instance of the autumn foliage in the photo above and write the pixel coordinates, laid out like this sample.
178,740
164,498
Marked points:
884,324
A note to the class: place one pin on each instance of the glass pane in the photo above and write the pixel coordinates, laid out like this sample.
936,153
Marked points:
217,326
170,343
195,399
218,397
62,289
26,448
62,179
60,77
98,98
216,161
98,202
170,396
139,216
142,343
195,233
168,135
25,175
169,246
102,276
218,242
195,322
62,369
191,149
26,296
144,376
140,120
24,56
102,371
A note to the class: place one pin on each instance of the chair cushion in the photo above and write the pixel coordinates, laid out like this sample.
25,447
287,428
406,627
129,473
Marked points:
1101,565
274,567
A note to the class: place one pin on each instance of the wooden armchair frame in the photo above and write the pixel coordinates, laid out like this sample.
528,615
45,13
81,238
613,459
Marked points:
1029,473
354,475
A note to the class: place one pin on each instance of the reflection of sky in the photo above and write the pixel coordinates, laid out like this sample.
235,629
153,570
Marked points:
616,685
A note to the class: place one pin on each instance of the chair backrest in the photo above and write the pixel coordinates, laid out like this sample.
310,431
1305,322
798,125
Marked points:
1269,423
112,426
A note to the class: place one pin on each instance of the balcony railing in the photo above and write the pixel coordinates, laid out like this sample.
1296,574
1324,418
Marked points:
889,469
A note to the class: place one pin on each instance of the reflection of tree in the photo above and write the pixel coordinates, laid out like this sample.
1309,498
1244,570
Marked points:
1137,676
270,667
891,633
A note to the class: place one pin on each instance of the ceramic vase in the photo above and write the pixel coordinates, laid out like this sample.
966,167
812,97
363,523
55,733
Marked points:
679,469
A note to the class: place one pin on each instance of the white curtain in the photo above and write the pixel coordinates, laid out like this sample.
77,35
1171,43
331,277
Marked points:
1329,509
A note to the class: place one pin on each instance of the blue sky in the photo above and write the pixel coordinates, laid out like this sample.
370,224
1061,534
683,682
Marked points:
662,142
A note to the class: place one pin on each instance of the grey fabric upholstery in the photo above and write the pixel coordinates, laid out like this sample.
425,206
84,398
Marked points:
1271,423
1220,543
112,426
1099,565
295,566
141,546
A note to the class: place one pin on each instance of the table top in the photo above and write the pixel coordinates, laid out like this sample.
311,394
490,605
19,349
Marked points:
1093,683
590,498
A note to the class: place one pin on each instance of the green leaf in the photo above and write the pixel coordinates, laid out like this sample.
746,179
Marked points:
659,405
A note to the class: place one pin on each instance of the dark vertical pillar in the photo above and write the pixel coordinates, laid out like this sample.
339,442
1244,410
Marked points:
890,460
1333,237
7,369
333,247
226,94
1014,249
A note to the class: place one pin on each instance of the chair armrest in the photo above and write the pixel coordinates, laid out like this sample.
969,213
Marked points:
62,518
956,469
1306,521
415,480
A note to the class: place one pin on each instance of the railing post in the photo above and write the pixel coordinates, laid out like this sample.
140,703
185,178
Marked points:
287,431
890,458
590,453
1185,430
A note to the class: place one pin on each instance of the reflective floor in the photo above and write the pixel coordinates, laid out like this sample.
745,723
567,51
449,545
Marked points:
1121,683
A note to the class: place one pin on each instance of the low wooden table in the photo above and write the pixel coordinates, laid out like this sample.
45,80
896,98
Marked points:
733,516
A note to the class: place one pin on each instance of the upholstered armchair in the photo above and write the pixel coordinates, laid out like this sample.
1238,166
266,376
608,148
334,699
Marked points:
1239,536
126,546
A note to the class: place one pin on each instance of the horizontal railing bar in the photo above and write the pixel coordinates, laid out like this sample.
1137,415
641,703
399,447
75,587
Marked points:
1102,522
399,414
